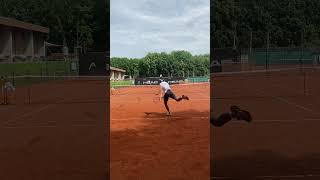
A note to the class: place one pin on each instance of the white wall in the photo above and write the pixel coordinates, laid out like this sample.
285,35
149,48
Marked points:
116,75
6,44
22,43
112,75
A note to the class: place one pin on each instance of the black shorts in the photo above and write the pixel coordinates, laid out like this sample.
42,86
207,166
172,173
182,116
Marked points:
169,94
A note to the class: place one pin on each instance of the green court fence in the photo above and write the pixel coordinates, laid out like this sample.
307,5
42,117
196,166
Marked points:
45,68
126,83
281,56
198,79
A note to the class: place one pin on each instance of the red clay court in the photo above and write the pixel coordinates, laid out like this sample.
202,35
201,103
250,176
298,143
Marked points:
55,129
282,142
146,144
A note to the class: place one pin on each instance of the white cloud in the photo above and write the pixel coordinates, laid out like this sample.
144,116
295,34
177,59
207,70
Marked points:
142,26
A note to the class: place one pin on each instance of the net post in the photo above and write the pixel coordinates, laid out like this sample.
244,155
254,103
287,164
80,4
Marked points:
29,95
13,79
304,84
250,46
302,48
5,95
267,50
41,74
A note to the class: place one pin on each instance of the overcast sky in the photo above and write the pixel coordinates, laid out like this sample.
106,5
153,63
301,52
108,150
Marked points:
142,26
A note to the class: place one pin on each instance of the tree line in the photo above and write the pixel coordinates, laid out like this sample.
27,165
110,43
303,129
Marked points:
288,23
174,64
75,22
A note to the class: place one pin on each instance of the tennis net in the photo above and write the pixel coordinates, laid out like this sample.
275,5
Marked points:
129,88
30,89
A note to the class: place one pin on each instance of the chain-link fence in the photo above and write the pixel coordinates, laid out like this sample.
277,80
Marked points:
40,68
258,50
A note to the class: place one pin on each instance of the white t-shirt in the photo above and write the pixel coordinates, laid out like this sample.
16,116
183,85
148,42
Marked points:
9,86
165,86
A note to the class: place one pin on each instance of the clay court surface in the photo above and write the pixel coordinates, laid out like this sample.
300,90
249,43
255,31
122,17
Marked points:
145,144
61,134
282,142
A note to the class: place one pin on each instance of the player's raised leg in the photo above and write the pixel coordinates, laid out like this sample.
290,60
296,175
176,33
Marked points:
173,96
180,98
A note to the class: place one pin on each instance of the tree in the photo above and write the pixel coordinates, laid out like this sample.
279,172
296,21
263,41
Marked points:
285,20
65,18
177,63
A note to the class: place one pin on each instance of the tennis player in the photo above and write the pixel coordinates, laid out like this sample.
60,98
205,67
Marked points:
166,93
7,89
235,113
112,91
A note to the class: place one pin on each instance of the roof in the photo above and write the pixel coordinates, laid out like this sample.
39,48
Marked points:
22,25
117,69
316,52
52,45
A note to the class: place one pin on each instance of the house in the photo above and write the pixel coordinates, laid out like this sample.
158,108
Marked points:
117,74
20,40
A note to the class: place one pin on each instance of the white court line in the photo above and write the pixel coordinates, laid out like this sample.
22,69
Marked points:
207,117
154,86
262,71
26,127
263,177
53,126
294,104
279,121
27,114
84,125
148,100
33,112
5,107
284,121
160,118
289,102
8,123
312,119
286,101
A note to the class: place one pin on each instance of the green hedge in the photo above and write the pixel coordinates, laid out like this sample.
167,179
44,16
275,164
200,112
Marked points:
48,68
116,84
